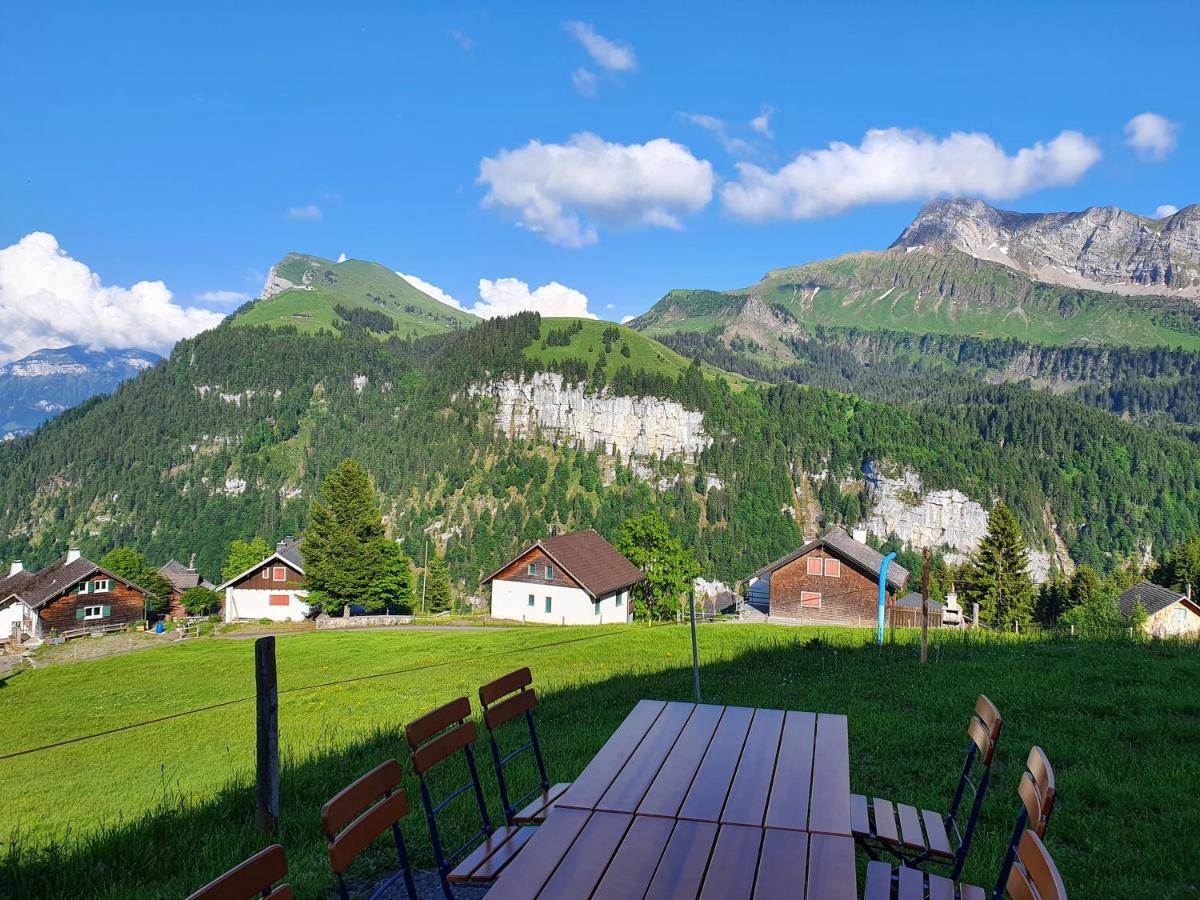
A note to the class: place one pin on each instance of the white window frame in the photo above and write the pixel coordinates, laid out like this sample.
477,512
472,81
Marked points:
102,586
810,595
275,571
533,568
87,613
833,568
549,572
820,566
620,598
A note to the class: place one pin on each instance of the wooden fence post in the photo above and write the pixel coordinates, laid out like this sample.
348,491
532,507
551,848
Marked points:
925,607
266,689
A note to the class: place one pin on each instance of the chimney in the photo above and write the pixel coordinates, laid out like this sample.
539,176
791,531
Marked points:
17,566
72,555
860,535
192,563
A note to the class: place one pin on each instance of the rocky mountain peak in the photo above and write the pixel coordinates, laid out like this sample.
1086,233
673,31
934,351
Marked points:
1101,248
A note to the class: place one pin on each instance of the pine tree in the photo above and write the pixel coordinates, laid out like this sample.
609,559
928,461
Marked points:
343,541
997,577
438,595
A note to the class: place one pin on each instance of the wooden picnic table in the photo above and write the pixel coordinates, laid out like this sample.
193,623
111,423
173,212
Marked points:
693,800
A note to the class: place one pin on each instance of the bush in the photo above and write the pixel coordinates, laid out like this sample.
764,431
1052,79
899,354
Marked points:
200,601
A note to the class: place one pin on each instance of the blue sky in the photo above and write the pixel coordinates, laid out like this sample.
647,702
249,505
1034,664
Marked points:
158,142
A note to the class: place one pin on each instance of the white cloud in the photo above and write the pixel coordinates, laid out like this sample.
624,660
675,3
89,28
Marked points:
625,319
894,164
507,296
616,56
1165,211
562,190
223,297
464,41
610,306
762,122
1154,137
310,213
341,257
48,299
734,146
584,81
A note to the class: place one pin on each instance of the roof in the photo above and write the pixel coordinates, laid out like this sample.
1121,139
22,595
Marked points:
1154,598
589,559
183,577
55,580
913,601
286,551
11,584
838,543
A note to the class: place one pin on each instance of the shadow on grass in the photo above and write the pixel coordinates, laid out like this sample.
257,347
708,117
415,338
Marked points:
1113,716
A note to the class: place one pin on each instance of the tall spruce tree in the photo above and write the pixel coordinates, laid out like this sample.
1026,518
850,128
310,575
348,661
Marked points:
342,545
438,595
997,576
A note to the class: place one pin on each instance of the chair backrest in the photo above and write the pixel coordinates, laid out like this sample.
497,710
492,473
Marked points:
255,877
983,732
1034,875
362,812
433,739
503,700
984,728
1037,794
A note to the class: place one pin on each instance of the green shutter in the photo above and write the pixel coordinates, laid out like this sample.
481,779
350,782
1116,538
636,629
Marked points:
105,611
79,613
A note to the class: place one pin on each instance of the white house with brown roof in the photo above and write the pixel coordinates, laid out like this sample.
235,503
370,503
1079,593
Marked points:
570,579
270,589
1169,613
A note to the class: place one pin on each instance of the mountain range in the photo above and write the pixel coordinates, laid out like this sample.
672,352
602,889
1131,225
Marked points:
905,390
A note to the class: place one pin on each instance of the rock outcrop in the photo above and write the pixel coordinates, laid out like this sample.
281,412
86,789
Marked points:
1102,248
637,426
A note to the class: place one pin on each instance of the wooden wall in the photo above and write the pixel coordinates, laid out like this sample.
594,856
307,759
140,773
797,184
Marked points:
518,570
260,579
127,605
849,599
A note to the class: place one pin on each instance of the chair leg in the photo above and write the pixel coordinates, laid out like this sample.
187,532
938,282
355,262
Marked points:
405,866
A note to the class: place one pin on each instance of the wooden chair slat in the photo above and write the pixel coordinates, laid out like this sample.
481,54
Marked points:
490,868
360,833
1042,775
911,884
631,783
707,796
831,868
788,805
940,888
879,881
683,861
529,872
631,868
910,827
986,710
350,801
751,788
829,804
586,862
539,806
885,821
250,878
509,709
935,830
1035,874
676,774
421,730
782,865
977,732
471,863
443,747
860,822
505,684
733,865
971,892
606,765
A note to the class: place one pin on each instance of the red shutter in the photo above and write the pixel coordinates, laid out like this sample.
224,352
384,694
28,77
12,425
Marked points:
814,565
833,568
279,600
810,599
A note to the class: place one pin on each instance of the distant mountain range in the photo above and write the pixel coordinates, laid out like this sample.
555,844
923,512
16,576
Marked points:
44,383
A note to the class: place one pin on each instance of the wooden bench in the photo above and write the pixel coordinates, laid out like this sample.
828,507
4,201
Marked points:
256,877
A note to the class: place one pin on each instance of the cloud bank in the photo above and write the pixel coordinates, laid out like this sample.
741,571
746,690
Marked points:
508,296
1154,137
48,299
893,164
562,191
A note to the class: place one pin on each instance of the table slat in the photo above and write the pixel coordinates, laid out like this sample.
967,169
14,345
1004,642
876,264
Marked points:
628,788
630,870
682,866
782,865
733,864
606,765
525,875
788,806
831,873
674,778
585,863
829,806
706,798
751,788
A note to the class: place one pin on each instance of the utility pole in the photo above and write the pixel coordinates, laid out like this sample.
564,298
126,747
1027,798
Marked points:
925,607
424,576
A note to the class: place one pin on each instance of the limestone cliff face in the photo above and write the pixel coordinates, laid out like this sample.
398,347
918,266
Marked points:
637,426
948,518
1102,248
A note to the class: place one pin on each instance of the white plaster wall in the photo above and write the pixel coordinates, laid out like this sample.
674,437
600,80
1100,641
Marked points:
16,612
244,603
568,605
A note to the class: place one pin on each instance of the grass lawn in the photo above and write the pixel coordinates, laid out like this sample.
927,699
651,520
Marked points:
158,810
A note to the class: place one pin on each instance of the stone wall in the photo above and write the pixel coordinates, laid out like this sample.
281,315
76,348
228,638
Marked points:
324,621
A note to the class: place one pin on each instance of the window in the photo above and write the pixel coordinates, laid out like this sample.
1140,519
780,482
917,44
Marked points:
93,612
814,565
531,599
833,568
548,604
279,600
82,588
549,572
102,586
620,598
810,599
279,573
533,568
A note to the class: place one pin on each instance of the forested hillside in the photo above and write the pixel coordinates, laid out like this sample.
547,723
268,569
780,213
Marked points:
230,436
